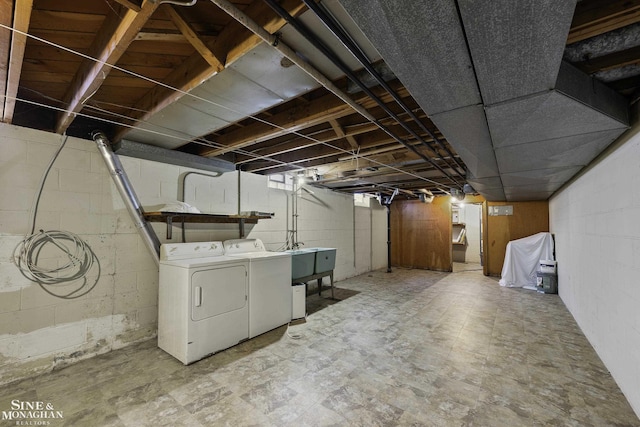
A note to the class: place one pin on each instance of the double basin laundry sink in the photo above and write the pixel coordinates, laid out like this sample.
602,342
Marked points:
312,261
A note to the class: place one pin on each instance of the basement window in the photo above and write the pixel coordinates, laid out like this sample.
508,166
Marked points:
362,200
281,181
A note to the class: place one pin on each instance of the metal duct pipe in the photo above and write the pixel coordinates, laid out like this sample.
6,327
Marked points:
129,197
338,31
275,41
326,51
290,54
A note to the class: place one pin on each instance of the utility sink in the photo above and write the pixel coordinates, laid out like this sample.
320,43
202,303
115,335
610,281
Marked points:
302,263
310,261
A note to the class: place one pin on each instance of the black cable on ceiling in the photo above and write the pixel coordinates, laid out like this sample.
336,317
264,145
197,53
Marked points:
308,35
338,31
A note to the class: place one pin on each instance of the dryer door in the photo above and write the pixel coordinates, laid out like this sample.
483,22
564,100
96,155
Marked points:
218,291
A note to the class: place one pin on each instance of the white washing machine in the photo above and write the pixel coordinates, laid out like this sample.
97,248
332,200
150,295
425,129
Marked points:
270,300
202,300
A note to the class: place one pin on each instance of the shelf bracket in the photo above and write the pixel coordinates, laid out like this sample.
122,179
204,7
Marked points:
169,227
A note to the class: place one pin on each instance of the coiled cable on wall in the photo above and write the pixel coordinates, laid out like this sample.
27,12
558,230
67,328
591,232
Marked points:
37,250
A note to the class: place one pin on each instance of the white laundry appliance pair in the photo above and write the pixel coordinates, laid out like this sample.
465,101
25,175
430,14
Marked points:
270,303
210,300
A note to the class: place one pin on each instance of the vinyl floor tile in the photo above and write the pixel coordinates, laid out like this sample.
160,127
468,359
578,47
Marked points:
406,348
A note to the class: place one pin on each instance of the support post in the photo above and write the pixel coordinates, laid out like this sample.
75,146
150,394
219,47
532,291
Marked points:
386,202
389,238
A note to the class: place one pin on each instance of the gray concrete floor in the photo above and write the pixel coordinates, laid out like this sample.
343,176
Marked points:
410,347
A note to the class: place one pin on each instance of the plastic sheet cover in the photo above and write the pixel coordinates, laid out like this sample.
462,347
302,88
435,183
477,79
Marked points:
522,260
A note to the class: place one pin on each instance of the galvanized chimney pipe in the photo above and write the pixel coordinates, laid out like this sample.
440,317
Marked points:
129,197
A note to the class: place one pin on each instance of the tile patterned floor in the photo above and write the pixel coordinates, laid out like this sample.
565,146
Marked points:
408,348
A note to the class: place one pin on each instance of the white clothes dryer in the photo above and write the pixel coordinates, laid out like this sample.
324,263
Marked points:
270,299
202,300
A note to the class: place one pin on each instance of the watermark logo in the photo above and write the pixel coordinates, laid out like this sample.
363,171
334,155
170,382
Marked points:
31,413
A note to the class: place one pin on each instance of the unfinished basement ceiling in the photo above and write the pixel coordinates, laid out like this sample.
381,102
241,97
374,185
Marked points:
512,98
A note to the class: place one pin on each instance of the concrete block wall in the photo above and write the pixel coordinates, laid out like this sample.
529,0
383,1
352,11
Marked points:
39,332
596,222
362,239
326,219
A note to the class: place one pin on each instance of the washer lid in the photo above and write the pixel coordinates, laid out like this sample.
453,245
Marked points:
260,255
212,262
175,251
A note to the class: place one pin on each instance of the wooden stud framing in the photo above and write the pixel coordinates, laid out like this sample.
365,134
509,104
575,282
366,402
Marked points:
111,42
21,18
192,36
232,43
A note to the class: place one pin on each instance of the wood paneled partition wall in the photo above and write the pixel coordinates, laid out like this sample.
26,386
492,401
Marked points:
528,218
421,234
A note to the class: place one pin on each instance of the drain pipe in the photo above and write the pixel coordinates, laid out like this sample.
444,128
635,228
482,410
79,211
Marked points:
129,197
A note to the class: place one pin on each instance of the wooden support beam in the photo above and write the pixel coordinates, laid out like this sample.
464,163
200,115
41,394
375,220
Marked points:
232,43
113,39
628,84
130,5
370,131
612,60
597,17
340,132
161,37
319,152
377,175
192,36
320,110
6,14
21,18
299,143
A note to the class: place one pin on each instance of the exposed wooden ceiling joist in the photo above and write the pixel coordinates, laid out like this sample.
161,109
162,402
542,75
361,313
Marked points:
21,19
299,143
6,8
232,43
341,133
192,36
296,119
111,42
596,17
183,47
317,152
135,6
612,60
321,110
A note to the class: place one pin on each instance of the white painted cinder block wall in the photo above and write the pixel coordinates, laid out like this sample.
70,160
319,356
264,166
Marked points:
39,332
596,222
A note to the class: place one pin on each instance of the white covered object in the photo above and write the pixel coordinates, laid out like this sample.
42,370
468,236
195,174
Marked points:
522,260
177,206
